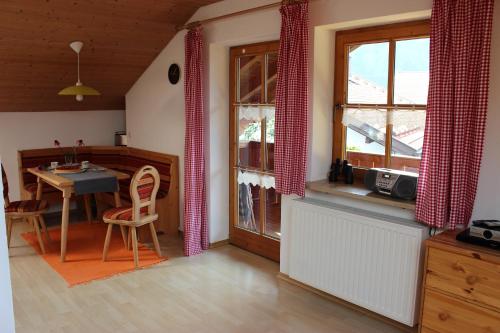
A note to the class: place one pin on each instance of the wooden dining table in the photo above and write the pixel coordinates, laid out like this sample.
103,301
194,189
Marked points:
66,186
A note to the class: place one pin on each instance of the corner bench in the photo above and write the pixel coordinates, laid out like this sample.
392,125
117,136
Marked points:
123,159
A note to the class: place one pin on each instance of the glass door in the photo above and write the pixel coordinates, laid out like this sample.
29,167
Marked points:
255,222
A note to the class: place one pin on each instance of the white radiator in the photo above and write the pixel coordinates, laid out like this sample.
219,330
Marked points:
371,260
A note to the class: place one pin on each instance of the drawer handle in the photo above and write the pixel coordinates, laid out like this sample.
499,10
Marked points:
443,316
456,266
471,279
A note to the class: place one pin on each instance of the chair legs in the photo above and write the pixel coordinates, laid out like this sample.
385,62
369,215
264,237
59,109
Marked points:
36,225
88,207
133,230
123,230
44,228
9,230
130,241
106,242
36,221
155,239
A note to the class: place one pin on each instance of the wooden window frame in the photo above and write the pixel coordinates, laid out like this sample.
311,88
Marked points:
386,33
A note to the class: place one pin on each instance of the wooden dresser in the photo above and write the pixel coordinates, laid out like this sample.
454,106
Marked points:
461,287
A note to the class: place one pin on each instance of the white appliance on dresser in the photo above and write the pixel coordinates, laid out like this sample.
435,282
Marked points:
363,257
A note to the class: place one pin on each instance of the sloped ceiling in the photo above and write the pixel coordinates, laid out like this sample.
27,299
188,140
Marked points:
121,39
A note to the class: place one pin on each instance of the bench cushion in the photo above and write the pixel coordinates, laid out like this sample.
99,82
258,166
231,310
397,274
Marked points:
26,206
32,188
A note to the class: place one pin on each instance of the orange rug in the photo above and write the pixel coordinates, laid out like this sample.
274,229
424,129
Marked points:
84,253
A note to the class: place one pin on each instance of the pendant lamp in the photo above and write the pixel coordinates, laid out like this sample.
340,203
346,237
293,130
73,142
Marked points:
78,90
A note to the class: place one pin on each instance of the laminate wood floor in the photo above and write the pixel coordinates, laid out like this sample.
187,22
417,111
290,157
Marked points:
223,290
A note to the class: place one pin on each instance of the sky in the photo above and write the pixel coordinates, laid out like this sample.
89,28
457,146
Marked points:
371,61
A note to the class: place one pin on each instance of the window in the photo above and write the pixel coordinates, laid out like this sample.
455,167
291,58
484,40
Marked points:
381,83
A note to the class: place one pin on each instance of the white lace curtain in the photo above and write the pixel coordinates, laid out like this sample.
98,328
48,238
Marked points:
255,179
256,113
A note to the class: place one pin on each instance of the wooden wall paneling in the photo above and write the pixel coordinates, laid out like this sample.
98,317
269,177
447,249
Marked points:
121,39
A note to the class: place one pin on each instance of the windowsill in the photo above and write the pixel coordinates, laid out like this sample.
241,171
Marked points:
359,192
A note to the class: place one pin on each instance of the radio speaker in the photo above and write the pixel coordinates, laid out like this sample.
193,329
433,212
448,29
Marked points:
405,188
371,180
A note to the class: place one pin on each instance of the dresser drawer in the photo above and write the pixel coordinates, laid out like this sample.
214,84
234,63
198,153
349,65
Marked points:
471,278
449,315
426,330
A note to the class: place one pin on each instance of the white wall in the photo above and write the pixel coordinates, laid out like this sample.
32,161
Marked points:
6,307
219,38
29,130
488,193
218,169
155,109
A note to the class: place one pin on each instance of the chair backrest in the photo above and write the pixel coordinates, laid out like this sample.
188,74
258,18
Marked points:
143,189
5,184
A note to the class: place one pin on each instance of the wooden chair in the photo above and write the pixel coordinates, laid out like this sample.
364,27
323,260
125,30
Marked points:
25,210
143,189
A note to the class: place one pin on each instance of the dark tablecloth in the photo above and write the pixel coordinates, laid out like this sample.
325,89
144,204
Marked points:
92,181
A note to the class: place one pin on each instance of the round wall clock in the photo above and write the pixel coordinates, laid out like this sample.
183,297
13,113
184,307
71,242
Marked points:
174,73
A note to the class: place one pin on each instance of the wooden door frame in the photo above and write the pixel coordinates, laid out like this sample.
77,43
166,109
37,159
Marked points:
265,246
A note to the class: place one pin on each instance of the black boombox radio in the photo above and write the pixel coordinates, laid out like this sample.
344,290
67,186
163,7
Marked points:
397,184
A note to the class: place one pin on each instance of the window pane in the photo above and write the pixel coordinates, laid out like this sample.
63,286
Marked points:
411,73
368,73
273,213
365,138
407,139
248,208
272,71
249,143
270,142
250,79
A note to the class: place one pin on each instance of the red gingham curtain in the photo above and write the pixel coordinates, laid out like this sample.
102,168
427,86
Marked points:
195,205
456,115
292,100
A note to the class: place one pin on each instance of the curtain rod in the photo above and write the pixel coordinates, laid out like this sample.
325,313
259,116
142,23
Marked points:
195,24
413,107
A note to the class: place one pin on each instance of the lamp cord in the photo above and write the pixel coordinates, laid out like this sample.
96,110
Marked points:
78,55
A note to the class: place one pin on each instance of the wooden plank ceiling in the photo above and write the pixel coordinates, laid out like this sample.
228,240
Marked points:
122,37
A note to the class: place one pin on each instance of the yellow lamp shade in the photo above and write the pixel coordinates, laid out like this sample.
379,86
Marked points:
79,90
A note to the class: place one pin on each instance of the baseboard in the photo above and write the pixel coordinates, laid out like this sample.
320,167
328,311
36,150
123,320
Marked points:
332,298
211,245
219,244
